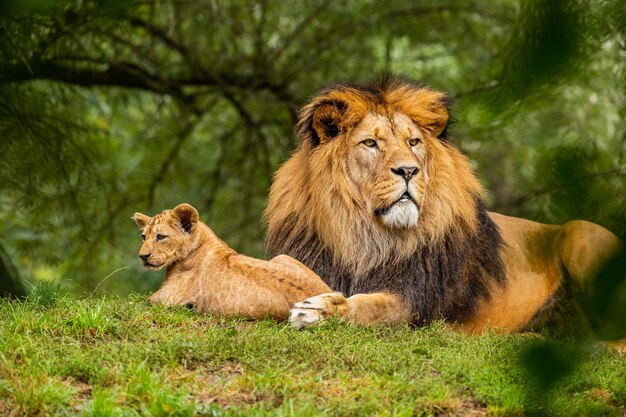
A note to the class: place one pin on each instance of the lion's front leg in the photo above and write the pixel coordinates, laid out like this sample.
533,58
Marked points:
377,308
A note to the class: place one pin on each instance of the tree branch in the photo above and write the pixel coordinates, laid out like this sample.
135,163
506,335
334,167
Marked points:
130,75
117,74
165,38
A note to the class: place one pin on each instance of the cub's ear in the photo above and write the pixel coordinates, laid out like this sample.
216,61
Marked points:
186,216
321,121
141,220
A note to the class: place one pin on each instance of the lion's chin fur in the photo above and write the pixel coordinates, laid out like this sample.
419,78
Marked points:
402,215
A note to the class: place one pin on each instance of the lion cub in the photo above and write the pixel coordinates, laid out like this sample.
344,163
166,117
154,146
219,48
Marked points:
206,274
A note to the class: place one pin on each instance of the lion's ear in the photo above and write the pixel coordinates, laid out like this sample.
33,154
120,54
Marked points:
141,220
439,117
426,107
321,120
327,121
186,216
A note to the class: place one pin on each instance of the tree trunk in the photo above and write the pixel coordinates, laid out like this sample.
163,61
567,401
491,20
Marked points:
10,285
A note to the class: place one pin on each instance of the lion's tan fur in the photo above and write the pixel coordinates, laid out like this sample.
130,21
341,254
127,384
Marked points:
315,200
203,272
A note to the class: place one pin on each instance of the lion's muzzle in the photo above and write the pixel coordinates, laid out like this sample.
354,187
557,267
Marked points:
403,213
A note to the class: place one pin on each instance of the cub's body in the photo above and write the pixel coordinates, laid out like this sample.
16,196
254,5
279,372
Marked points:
204,273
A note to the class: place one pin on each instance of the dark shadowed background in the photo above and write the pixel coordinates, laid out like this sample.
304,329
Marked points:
112,107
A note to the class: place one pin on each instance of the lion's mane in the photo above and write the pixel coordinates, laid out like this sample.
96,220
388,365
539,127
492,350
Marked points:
442,268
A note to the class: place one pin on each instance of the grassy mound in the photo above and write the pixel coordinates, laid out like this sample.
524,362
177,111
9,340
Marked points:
113,356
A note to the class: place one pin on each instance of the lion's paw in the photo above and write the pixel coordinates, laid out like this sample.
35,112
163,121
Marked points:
301,318
314,310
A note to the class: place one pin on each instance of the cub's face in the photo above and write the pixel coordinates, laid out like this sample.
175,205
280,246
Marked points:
167,237
387,163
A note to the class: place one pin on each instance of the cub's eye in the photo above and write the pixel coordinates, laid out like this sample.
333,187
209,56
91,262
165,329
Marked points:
160,237
414,141
143,237
370,143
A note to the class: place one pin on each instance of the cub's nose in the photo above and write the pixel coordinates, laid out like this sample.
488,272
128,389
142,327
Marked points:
405,172
144,256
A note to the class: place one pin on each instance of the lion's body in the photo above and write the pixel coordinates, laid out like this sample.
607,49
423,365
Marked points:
547,266
203,272
378,202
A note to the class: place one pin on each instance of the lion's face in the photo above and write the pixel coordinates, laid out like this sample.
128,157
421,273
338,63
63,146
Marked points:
374,179
386,161
167,237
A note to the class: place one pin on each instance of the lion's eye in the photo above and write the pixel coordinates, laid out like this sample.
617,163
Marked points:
370,143
414,141
143,237
160,237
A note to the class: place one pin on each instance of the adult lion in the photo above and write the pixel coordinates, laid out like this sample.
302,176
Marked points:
379,202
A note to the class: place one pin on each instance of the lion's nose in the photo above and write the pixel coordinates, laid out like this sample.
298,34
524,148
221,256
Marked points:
144,256
406,172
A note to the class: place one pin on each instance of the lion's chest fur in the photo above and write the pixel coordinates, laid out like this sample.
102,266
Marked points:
444,281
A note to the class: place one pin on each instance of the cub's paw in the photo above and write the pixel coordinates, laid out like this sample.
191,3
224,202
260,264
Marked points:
314,310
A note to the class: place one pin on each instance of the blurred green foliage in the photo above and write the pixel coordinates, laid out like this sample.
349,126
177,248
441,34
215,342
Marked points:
113,107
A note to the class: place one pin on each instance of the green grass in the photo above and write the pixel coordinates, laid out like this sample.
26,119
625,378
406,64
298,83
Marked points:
111,356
